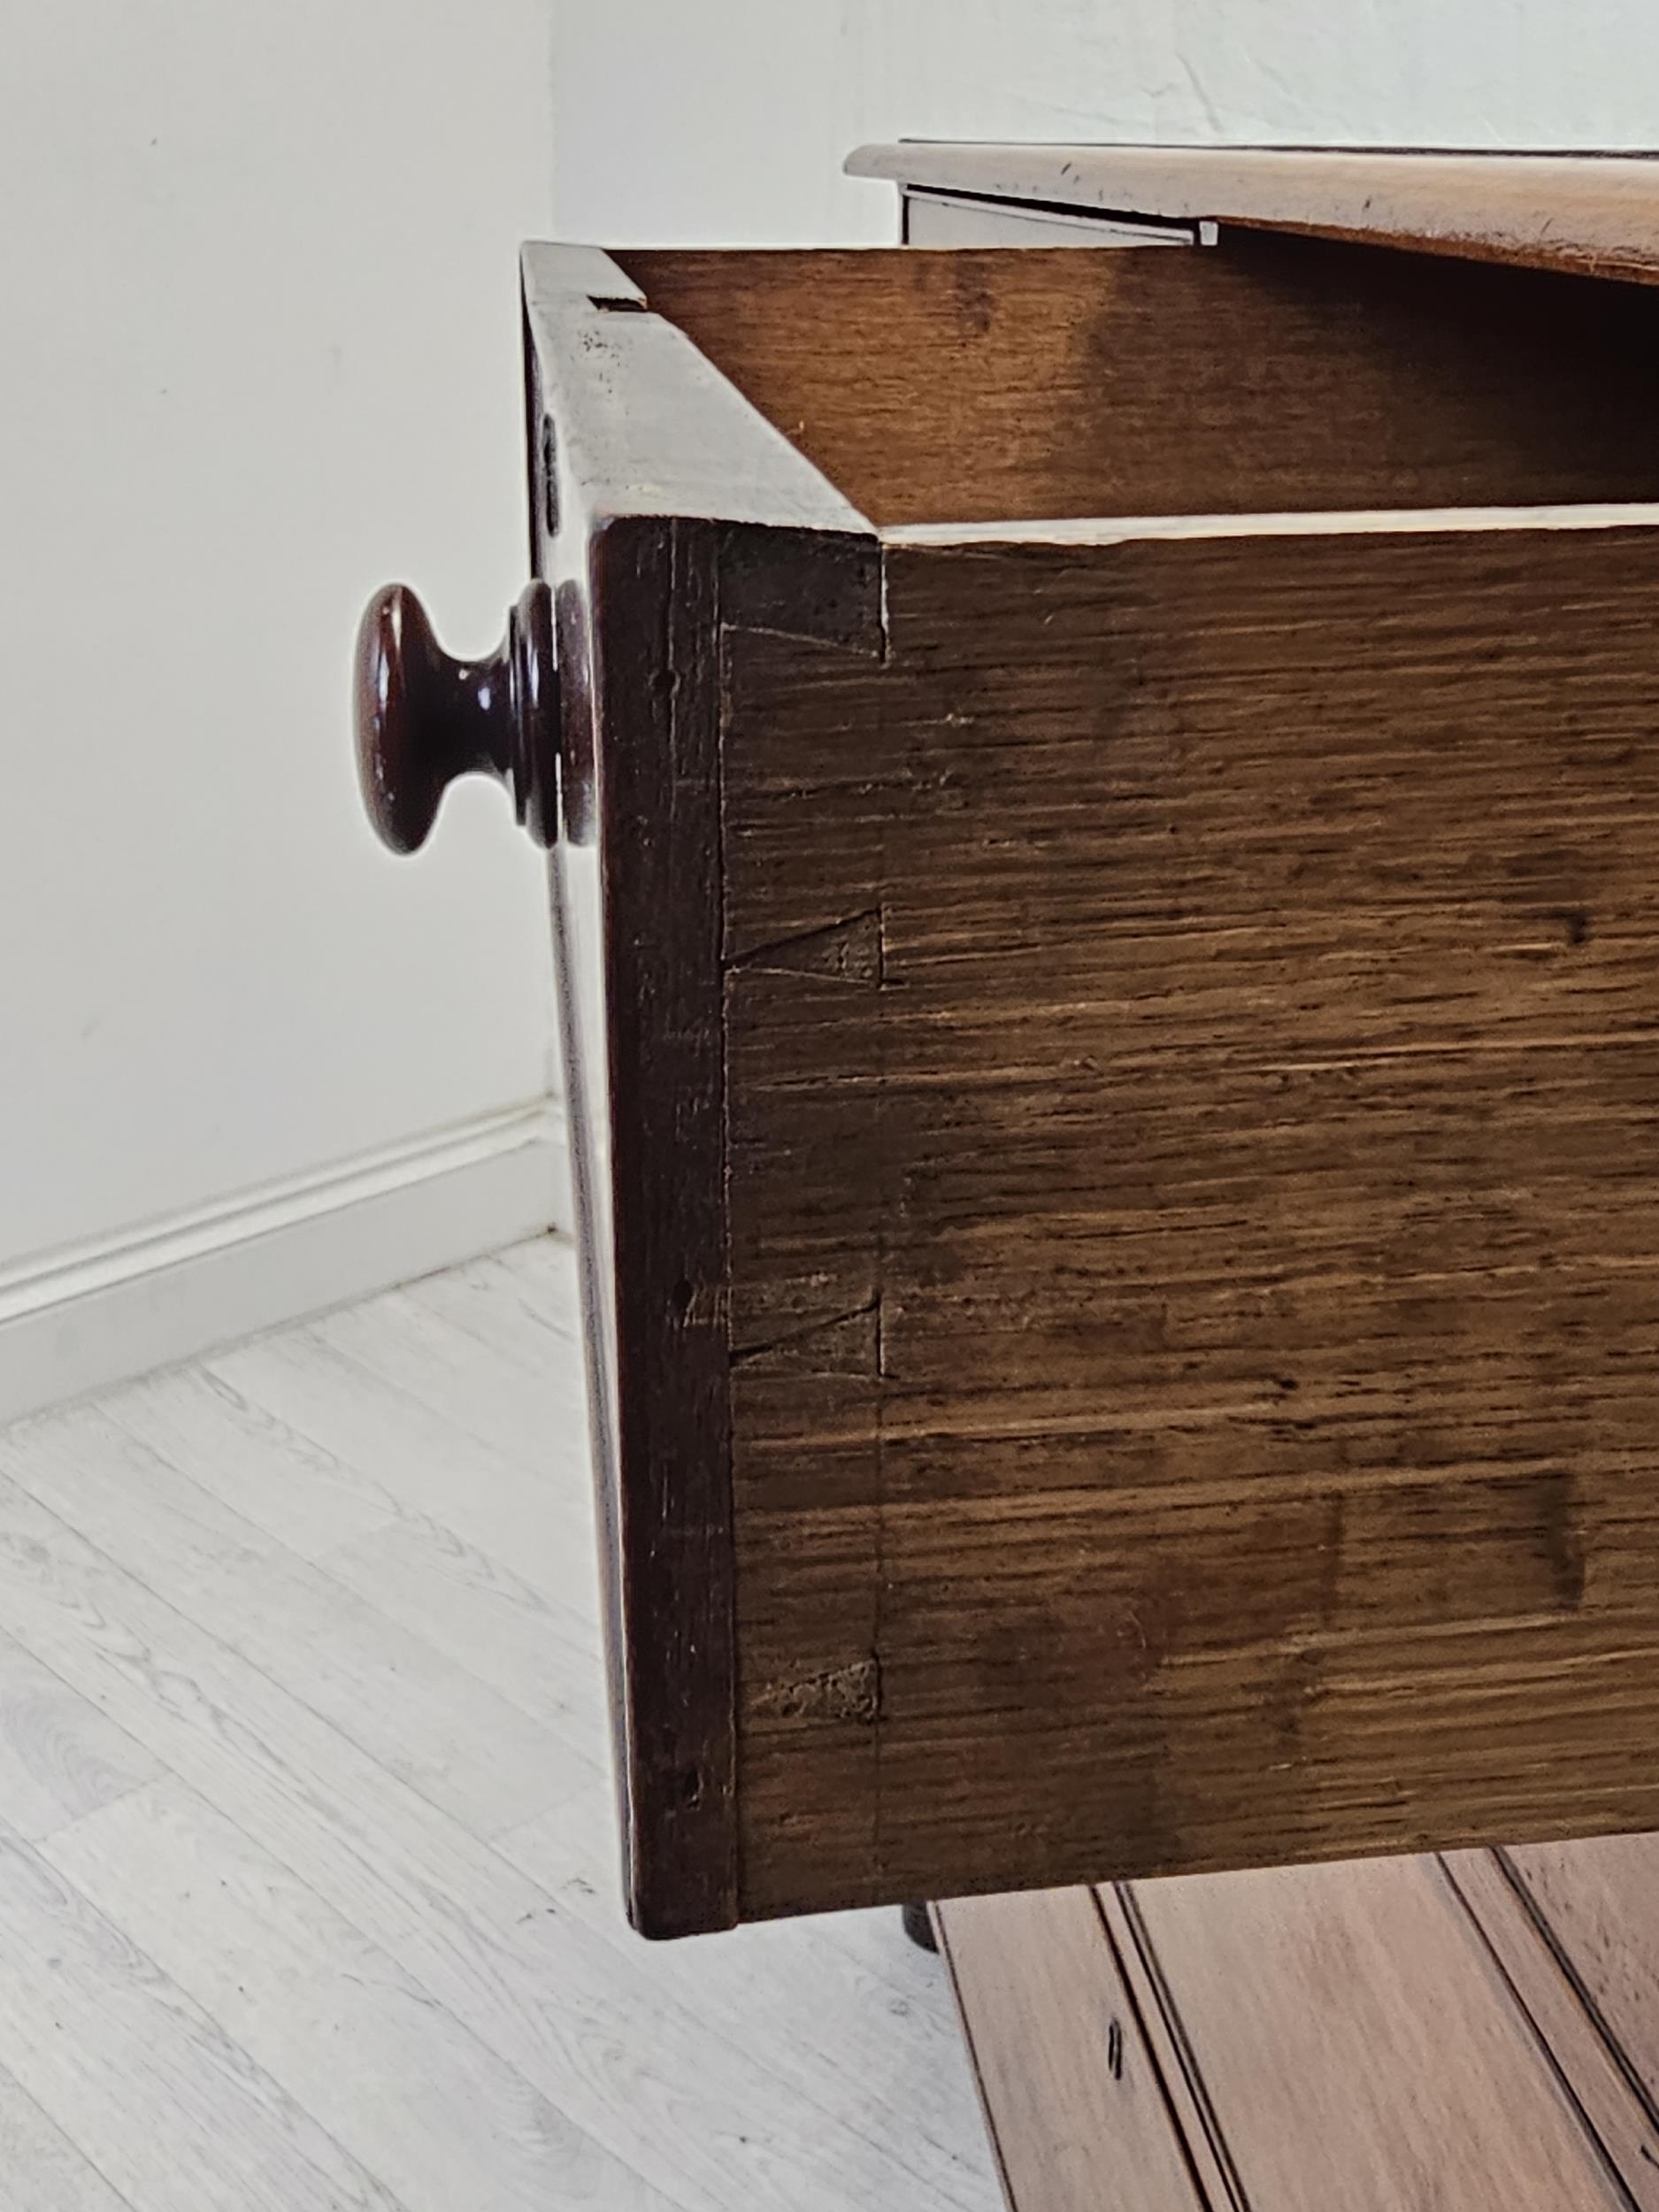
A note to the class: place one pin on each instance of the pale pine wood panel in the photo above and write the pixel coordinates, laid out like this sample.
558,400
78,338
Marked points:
1358,2048
1599,1902
1072,2088
1598,2067
1166,2041
1356,2037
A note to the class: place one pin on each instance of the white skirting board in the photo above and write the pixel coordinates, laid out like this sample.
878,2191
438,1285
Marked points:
76,1321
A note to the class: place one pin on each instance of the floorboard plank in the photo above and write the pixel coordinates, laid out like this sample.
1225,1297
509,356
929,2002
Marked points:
403,2085
513,1301
584,2019
288,1486
487,1619
835,2033
471,1383
40,2171
59,1757
446,1734
133,2071
545,1272
528,1511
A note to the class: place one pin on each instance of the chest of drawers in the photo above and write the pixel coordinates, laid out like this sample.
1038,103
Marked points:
1104,812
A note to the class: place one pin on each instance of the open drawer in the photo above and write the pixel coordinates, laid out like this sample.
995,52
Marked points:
1106,825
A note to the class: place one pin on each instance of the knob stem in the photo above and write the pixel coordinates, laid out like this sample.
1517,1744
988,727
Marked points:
424,717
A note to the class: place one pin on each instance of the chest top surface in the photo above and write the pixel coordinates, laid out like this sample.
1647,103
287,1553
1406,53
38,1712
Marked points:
1593,214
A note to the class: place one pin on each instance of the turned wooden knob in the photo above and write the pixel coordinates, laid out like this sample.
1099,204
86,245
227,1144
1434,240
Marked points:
424,717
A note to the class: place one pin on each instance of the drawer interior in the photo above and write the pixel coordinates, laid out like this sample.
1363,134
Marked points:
1270,373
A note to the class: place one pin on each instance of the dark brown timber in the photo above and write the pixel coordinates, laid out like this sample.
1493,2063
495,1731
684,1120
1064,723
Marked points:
1266,374
1193,1040
1113,1080
647,598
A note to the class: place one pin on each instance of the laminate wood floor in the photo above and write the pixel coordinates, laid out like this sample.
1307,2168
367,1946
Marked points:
307,1896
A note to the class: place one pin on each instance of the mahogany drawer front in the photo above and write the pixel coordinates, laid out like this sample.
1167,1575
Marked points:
1114,1062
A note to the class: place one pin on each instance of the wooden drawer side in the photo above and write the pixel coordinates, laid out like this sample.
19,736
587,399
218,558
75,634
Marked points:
1193,1040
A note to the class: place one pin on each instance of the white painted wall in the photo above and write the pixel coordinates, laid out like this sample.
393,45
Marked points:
725,124
258,275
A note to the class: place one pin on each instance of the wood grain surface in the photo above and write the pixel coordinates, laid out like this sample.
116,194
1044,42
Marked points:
1356,2037
1062,2056
1357,2047
1264,374
1600,1903
1112,1081
646,469
1191,1037
1547,210
667,1521
1611,2080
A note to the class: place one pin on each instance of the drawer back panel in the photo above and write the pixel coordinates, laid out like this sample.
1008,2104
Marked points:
1266,373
